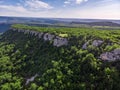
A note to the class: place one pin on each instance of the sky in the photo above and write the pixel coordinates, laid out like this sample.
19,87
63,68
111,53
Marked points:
92,9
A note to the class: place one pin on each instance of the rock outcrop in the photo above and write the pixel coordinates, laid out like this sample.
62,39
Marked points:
31,79
57,41
111,56
40,35
85,45
35,33
97,43
48,36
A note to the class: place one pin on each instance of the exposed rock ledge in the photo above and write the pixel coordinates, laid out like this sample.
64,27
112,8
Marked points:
31,79
95,43
57,41
111,56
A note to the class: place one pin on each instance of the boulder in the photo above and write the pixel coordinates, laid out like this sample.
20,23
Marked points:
58,41
94,43
111,56
117,51
97,43
107,56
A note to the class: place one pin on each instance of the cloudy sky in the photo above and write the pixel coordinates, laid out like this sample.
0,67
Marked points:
95,9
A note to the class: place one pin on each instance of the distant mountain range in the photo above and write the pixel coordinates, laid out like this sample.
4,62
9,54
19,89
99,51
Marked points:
100,23
4,19
6,22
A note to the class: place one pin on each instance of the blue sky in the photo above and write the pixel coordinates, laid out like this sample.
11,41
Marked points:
94,9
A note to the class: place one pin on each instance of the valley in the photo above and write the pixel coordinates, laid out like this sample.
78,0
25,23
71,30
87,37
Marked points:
59,58
101,24
59,44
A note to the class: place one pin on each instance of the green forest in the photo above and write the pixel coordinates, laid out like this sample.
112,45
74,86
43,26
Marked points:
31,63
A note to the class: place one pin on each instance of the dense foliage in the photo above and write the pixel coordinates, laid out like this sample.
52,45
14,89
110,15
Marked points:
58,68
77,32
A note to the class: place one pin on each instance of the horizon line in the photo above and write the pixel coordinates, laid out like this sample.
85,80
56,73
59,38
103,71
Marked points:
62,17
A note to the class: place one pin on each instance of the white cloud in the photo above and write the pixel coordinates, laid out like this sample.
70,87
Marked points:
67,2
75,1
27,7
105,10
80,1
37,5
12,8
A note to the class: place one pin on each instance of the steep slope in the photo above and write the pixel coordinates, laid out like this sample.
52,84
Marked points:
36,58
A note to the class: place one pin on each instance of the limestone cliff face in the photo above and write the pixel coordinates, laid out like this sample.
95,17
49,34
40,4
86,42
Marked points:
57,41
60,41
48,37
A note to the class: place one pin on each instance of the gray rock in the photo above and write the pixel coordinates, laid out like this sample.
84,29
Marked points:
19,30
31,79
32,32
26,32
94,43
111,56
22,31
107,56
48,36
13,29
117,51
35,33
40,35
97,43
58,41
85,45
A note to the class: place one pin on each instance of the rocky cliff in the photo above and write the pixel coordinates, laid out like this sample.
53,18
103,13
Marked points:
60,41
56,40
114,55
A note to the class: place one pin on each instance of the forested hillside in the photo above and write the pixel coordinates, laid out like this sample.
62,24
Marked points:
37,58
